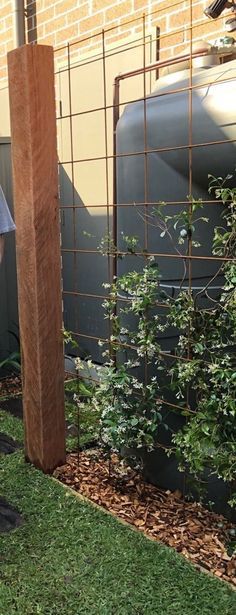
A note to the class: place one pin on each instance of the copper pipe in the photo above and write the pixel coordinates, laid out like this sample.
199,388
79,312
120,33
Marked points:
157,399
159,254
72,169
104,297
161,64
145,140
116,115
134,205
166,355
106,148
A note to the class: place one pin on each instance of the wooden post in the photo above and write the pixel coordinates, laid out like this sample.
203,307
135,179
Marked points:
36,207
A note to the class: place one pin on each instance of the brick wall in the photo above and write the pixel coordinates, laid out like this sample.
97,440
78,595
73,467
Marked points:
55,22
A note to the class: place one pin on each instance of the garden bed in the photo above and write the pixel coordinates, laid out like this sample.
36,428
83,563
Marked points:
203,537
11,384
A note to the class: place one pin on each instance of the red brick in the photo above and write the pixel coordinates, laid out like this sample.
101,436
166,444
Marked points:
115,38
206,30
78,14
98,5
9,46
118,10
3,73
180,50
160,22
6,10
141,4
89,24
179,19
46,15
55,24
131,23
50,39
166,7
66,34
9,22
64,6
171,39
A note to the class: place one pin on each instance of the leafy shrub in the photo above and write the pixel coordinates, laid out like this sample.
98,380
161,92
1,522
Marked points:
131,406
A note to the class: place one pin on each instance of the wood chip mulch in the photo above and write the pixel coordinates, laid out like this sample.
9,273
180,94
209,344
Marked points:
200,535
11,385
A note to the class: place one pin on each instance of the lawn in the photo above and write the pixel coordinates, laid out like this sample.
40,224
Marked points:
70,558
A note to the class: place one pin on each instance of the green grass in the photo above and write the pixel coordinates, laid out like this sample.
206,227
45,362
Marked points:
70,558
11,426
89,419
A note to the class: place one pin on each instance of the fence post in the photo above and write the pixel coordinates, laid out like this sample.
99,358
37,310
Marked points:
35,185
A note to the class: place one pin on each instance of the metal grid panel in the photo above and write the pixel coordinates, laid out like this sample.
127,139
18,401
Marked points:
88,162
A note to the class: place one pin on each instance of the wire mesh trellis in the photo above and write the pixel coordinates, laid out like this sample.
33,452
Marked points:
96,165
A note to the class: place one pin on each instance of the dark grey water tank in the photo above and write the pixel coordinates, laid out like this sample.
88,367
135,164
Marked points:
167,179
167,172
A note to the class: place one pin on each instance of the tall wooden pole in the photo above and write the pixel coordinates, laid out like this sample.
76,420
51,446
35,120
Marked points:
35,184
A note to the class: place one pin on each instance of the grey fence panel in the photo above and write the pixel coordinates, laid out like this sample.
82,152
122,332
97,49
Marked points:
8,283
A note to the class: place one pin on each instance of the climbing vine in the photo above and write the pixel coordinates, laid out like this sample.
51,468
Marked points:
134,391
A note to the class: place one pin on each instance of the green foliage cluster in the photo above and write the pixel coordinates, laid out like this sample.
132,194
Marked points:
203,374
130,414
209,438
81,420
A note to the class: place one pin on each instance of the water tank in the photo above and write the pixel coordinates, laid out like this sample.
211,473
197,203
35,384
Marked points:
166,174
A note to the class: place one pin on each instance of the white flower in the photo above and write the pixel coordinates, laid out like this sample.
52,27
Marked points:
140,352
79,363
105,353
131,363
137,385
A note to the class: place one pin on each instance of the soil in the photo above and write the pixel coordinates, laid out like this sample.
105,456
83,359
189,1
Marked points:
202,536
12,385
